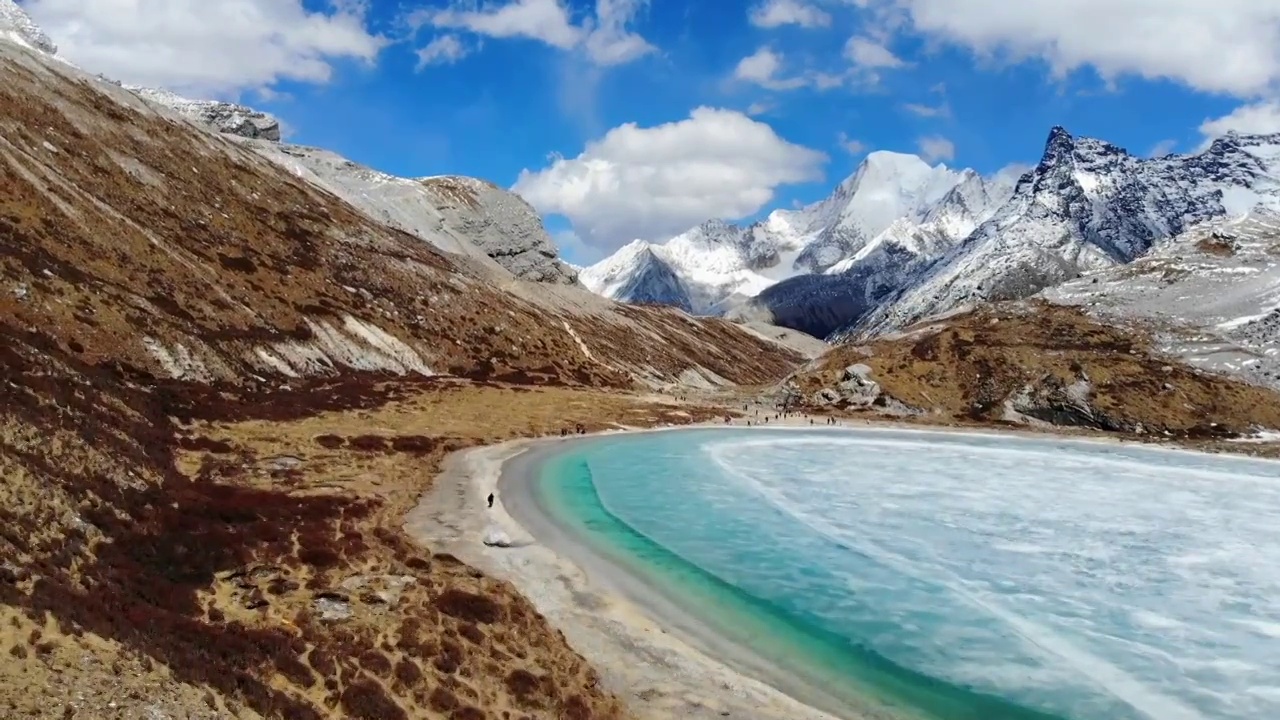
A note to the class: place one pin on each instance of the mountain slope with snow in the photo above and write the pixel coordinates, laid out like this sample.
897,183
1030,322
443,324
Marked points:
899,241
721,265
225,117
1087,206
17,26
474,219
1211,295
638,274
820,304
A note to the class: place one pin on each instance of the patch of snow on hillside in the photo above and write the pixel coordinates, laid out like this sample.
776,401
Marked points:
358,345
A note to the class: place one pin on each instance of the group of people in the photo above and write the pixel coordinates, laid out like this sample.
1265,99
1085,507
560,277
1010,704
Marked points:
578,429
829,420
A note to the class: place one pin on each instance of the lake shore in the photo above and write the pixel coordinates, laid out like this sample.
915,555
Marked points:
657,657
660,659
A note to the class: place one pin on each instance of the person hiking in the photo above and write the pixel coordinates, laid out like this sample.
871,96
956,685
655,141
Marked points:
490,499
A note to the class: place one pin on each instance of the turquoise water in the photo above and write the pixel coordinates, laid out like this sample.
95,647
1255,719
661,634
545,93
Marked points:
953,577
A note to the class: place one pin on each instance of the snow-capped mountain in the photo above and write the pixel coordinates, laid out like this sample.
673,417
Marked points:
899,241
719,265
17,26
819,304
1087,205
638,274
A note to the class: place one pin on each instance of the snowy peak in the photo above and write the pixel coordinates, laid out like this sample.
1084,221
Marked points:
1087,206
17,26
885,187
718,261
636,274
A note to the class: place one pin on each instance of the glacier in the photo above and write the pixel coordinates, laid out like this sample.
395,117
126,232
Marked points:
1074,578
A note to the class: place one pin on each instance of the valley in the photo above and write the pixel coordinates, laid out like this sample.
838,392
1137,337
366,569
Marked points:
231,366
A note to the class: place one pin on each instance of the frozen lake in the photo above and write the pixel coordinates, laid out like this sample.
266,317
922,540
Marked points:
1078,580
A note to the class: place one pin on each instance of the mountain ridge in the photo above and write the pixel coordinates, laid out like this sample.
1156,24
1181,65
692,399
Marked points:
472,218
722,265
1086,205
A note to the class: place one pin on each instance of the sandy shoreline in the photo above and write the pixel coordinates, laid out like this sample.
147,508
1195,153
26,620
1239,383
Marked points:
653,655
657,657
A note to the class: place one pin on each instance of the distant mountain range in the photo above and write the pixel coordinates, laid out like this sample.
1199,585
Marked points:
901,240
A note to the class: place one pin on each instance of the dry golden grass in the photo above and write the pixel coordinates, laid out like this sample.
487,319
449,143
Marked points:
426,636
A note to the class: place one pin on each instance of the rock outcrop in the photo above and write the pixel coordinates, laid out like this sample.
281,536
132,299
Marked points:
501,224
460,215
224,117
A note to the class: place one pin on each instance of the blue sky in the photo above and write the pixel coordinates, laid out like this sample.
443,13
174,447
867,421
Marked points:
795,91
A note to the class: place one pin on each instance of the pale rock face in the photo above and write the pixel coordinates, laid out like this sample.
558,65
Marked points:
464,216
224,117
502,225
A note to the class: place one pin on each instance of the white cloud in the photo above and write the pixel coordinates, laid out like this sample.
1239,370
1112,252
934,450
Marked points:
1258,118
205,47
610,42
605,37
1227,46
543,20
1014,171
574,250
764,66
1162,148
444,50
850,145
759,107
776,13
928,111
870,54
654,182
936,148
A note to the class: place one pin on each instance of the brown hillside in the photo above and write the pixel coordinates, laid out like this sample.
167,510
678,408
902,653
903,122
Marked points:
130,238
184,531
973,366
